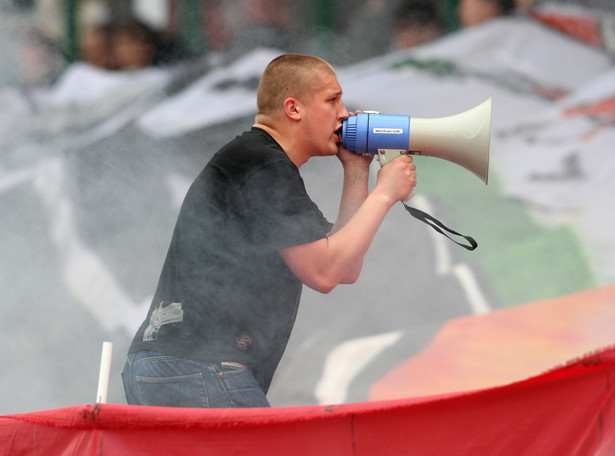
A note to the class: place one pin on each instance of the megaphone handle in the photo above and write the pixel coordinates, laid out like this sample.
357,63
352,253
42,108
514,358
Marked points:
439,227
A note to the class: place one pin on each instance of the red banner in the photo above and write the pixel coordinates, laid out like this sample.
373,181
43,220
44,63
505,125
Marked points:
567,411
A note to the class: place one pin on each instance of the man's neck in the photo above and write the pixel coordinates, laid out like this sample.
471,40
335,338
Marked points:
286,143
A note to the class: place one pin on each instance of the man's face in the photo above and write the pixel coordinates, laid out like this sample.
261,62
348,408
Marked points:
323,117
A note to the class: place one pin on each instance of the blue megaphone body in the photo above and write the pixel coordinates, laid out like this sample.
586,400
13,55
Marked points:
366,133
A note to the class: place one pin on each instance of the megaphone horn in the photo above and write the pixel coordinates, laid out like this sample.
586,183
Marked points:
462,138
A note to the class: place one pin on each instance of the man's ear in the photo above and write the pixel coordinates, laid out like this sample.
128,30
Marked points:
293,108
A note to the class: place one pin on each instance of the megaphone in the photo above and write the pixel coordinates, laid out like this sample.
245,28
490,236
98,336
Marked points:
462,138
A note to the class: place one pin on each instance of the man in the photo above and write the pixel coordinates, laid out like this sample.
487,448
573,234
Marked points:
247,238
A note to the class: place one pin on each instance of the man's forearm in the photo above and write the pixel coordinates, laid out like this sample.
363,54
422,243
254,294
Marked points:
354,193
325,263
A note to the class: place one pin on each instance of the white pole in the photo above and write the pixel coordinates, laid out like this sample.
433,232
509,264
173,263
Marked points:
105,370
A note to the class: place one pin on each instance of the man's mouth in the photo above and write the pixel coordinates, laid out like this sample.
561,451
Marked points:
338,133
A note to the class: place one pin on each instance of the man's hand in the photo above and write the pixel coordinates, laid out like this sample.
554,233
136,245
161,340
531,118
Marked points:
349,158
397,179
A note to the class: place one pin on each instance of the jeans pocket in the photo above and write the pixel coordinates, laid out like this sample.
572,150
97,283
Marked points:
241,387
227,366
177,391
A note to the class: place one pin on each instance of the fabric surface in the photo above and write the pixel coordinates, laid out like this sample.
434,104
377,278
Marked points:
567,411
505,346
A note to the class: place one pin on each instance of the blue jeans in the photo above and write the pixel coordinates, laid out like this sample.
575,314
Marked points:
152,378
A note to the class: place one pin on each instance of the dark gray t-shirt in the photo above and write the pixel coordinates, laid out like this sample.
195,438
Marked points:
224,293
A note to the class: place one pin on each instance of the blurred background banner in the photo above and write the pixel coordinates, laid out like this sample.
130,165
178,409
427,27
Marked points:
109,110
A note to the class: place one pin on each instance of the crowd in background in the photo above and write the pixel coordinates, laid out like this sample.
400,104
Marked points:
113,35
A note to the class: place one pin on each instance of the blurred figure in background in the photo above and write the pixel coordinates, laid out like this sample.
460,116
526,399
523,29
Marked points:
526,5
416,22
134,45
258,23
95,46
232,28
126,45
359,30
39,60
474,12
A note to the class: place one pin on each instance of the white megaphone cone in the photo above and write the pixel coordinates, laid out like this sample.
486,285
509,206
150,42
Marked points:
462,138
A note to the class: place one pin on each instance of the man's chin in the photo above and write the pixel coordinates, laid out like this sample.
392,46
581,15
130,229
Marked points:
329,152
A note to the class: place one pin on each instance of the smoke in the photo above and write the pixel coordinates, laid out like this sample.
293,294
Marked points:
89,198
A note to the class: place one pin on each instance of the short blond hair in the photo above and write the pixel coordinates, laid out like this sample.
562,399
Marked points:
289,75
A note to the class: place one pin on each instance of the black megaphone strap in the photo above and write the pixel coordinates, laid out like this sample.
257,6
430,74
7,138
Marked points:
440,227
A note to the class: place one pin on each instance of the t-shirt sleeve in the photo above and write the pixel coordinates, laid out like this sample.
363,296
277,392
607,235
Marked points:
278,211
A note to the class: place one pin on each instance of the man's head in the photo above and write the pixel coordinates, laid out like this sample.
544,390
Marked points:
299,102
289,75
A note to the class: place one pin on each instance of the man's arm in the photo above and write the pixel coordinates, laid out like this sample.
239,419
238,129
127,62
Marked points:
325,263
354,193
